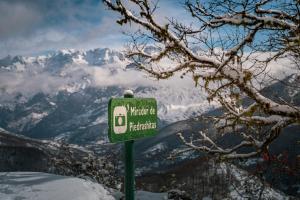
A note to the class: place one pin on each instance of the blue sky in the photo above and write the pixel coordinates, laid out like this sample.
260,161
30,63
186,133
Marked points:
31,27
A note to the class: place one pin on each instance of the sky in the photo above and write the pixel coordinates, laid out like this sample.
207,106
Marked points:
33,27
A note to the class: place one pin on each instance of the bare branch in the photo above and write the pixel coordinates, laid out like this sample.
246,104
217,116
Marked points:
221,49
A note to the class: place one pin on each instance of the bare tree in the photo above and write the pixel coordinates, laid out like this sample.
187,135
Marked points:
221,49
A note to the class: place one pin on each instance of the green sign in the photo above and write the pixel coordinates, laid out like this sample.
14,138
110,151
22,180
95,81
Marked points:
131,118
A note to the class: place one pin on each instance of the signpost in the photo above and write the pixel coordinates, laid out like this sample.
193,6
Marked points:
130,119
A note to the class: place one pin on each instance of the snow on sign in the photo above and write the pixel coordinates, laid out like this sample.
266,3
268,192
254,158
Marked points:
131,118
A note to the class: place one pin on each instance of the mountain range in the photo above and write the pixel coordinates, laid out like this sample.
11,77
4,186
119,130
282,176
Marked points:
64,95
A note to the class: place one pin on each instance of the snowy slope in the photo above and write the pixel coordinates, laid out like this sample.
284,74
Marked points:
43,186
248,186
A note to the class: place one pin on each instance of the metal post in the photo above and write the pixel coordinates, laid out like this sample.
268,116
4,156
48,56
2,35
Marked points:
129,162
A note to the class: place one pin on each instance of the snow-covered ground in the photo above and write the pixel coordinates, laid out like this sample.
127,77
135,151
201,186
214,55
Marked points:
43,186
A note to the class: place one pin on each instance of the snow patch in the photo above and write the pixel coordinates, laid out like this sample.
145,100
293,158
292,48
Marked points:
32,119
156,148
42,186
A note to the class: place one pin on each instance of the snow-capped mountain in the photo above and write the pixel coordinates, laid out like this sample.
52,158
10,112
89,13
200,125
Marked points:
65,94
59,59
